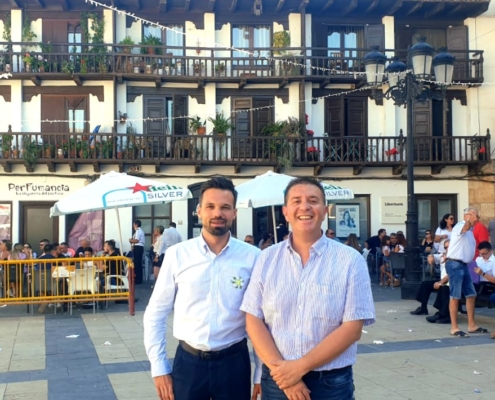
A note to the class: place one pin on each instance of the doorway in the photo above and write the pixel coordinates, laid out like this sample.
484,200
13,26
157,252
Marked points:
431,208
263,221
36,224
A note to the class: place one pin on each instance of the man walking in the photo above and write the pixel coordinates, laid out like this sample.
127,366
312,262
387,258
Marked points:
307,302
460,253
204,284
137,242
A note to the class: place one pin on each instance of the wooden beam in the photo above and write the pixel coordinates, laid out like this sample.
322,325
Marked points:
162,6
357,169
158,82
96,167
237,168
456,9
242,83
51,166
211,6
317,169
233,6
140,5
36,80
435,10
280,5
187,4
396,7
328,4
303,5
415,8
350,7
77,79
372,6
283,84
15,3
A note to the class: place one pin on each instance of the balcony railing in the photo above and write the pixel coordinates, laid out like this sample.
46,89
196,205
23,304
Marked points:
357,152
179,63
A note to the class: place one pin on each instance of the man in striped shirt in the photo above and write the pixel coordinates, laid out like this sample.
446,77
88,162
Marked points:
307,302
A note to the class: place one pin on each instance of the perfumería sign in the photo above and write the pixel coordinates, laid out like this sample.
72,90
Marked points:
37,189
393,210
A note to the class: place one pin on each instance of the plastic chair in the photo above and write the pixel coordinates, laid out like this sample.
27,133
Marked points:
378,259
83,280
121,286
397,263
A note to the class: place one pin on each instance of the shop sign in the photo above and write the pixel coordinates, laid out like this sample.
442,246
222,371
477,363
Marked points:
37,189
394,210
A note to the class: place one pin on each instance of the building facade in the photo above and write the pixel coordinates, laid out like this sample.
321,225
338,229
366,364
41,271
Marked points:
92,89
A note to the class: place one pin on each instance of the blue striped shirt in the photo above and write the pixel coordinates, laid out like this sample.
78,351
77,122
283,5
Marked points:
205,290
302,305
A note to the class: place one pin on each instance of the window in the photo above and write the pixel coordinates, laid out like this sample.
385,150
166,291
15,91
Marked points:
253,38
342,39
151,217
346,116
173,39
76,114
74,37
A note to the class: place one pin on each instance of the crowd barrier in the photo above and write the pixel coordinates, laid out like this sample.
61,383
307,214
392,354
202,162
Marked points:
64,281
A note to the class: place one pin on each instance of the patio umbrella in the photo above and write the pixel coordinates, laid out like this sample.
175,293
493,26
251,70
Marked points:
116,190
269,189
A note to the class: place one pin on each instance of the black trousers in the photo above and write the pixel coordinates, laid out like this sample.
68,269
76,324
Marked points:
138,263
442,300
223,376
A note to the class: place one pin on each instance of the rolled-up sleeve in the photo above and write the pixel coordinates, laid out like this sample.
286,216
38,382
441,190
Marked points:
359,298
155,317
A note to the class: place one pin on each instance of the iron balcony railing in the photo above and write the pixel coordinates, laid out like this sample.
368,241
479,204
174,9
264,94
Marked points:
179,63
32,148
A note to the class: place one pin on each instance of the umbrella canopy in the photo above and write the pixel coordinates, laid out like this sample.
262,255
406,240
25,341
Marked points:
269,189
115,190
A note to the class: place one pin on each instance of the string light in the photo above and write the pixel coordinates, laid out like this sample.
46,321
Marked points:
5,76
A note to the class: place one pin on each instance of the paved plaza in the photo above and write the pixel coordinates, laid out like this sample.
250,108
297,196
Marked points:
107,361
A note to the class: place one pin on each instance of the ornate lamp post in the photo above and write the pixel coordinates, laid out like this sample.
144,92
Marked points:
405,87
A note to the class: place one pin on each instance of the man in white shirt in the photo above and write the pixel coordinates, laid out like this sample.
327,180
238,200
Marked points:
170,237
460,253
486,267
204,283
137,242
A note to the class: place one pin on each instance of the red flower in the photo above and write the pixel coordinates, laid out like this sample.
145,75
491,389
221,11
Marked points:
310,132
313,149
392,151
482,150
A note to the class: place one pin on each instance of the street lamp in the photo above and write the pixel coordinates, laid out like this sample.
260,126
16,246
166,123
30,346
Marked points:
407,85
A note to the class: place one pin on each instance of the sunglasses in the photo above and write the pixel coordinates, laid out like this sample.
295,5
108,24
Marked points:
450,218
332,233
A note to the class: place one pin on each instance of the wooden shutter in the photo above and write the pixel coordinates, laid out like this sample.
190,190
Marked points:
55,31
422,120
374,36
457,43
154,107
262,117
356,116
180,110
242,147
334,117
53,108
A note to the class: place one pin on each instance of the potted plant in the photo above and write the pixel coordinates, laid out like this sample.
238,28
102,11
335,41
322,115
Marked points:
68,67
14,152
288,64
127,42
30,155
150,40
221,124
83,149
281,40
198,126
49,150
198,67
6,145
313,153
122,117
220,69
29,61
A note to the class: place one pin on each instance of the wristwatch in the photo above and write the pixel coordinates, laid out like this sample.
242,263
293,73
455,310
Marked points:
483,274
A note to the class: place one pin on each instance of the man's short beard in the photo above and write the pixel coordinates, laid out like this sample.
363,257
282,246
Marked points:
217,231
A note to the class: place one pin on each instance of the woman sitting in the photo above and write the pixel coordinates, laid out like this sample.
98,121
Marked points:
352,241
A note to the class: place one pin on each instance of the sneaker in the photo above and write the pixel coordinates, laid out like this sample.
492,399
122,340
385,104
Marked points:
419,311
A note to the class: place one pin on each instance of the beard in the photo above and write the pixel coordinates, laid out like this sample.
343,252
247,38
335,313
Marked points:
217,230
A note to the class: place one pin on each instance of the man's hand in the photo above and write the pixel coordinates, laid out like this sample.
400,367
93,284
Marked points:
436,285
164,388
286,373
256,392
479,271
299,391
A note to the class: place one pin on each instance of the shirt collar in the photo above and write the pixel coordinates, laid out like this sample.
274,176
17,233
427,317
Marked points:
204,246
318,246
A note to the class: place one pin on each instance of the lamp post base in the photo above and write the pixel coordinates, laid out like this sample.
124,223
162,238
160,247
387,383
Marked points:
409,290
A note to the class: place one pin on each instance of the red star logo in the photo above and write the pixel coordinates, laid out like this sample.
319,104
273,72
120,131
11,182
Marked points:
138,188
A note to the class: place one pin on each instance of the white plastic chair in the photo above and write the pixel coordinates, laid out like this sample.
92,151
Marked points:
83,280
122,286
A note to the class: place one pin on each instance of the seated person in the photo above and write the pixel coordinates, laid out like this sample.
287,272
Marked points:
112,267
63,249
88,252
486,268
80,250
427,243
442,289
49,253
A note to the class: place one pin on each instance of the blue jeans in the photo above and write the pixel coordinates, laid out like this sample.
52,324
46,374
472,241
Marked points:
460,281
337,384
492,299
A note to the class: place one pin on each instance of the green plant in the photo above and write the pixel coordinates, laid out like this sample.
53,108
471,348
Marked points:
150,40
196,123
29,59
198,66
68,67
7,142
221,124
7,35
281,40
220,67
46,47
107,148
31,153
127,41
292,127
27,34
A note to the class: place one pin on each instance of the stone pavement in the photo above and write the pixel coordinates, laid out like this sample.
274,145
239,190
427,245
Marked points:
107,361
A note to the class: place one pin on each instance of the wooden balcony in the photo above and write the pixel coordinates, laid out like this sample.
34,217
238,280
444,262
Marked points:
126,150
133,63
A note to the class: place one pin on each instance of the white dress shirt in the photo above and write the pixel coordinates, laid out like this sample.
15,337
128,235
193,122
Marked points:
139,235
157,246
205,290
301,305
462,245
488,266
170,237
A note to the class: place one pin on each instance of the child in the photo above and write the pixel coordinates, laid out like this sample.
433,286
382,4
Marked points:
386,258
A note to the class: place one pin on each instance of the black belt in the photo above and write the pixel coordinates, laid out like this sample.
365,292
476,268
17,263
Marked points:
455,259
214,355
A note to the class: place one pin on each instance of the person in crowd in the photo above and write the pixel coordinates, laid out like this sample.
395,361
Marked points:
393,241
480,233
375,241
443,232
83,244
137,242
64,250
88,253
170,237
486,268
249,239
352,241
282,230
5,255
460,253
313,358
441,287
427,243
385,267
399,232
157,249
16,271
28,251
212,358
42,245
401,243
330,233
266,241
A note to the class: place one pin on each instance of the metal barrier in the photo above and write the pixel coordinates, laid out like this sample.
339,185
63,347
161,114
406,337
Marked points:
66,281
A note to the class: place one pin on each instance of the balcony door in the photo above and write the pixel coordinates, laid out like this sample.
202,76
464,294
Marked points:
36,223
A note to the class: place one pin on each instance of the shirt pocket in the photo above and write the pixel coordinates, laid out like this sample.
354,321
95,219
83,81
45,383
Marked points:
325,303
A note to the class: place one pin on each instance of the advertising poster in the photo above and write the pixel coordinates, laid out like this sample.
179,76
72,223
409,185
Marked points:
347,219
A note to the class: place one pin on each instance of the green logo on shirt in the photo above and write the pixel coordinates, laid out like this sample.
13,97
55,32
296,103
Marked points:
237,282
